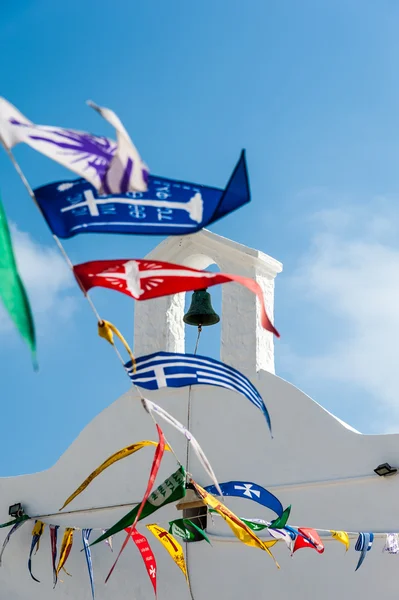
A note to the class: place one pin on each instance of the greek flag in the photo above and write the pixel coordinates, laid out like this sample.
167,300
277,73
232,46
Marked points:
170,369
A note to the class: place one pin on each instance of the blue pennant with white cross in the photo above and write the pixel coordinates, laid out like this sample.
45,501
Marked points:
168,207
251,491
170,369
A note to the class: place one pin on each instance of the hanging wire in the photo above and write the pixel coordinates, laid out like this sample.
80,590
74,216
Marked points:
156,423
189,400
217,537
70,265
55,237
187,463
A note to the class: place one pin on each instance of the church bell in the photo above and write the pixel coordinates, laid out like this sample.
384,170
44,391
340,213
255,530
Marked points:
201,311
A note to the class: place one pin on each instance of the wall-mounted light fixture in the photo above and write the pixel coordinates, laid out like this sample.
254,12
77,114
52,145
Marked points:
385,470
16,511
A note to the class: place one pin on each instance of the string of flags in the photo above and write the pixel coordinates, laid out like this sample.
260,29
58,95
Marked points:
116,194
114,177
173,489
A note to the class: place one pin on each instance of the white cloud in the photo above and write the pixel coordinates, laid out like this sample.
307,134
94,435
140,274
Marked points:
350,275
47,279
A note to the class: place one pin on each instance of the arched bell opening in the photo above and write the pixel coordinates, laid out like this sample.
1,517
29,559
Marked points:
204,308
238,339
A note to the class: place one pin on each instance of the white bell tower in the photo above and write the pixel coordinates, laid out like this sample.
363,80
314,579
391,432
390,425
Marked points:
245,345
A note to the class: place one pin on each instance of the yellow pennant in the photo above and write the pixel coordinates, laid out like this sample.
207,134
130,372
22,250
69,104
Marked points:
38,530
341,536
66,547
171,544
238,527
107,463
106,330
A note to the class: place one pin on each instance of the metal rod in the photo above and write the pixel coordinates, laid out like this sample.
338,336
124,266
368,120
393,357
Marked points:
56,238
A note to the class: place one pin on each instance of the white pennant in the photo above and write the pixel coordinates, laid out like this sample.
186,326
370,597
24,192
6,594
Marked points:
281,534
126,151
392,543
151,407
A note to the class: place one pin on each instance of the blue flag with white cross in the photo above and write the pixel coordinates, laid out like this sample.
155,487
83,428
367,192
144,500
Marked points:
168,207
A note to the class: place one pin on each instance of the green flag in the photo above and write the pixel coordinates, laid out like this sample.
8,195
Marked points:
171,490
281,521
180,528
12,290
259,524
255,525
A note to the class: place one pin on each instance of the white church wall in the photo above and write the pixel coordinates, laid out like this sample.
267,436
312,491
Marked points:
314,463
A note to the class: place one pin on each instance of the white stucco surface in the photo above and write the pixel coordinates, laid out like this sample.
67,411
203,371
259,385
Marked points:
315,462
310,451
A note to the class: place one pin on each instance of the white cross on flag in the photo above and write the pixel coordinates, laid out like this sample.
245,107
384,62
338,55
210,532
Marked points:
247,490
144,279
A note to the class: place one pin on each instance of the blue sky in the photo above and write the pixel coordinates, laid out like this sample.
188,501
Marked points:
311,90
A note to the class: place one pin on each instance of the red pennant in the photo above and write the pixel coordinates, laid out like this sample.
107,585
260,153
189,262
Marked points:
144,279
159,451
147,555
308,538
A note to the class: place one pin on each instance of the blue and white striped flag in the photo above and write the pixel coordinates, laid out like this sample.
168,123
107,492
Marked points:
170,369
363,545
86,545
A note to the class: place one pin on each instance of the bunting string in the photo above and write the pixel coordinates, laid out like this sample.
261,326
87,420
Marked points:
295,537
57,241
326,534
108,329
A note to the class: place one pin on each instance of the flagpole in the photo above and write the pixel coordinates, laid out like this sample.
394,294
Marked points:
187,463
